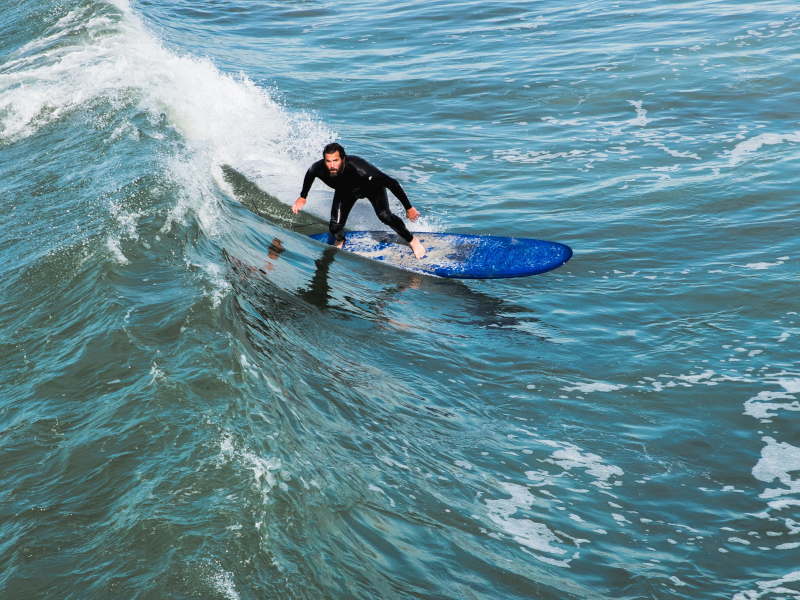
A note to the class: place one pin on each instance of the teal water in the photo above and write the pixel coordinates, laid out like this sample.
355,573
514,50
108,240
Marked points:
200,402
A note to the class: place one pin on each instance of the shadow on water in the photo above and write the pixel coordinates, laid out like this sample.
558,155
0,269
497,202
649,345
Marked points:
269,207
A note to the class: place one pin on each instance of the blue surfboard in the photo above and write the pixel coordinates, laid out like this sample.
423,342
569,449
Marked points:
458,255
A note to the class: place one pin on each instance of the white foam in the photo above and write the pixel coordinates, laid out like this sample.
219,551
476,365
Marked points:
762,405
619,518
564,122
792,526
595,386
760,266
535,156
778,460
568,457
224,584
677,581
693,378
790,385
677,153
743,149
773,586
267,472
525,532
576,518
788,546
112,243
156,373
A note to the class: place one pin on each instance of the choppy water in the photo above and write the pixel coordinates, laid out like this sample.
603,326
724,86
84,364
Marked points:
199,403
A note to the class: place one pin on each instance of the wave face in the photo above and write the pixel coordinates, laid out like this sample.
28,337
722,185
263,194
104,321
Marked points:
201,402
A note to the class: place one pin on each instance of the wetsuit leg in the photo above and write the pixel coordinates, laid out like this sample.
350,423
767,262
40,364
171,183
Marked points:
380,202
340,210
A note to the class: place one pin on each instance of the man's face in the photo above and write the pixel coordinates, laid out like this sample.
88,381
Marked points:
333,162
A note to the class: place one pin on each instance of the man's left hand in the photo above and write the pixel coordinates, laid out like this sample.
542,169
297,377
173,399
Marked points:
412,213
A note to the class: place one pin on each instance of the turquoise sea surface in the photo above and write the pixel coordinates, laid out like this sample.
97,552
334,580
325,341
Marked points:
199,401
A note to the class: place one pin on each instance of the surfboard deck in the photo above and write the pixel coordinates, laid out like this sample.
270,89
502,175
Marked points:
463,256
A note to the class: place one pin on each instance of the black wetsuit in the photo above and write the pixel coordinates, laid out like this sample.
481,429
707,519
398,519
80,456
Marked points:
358,179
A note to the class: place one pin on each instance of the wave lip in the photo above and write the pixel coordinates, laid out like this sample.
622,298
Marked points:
106,52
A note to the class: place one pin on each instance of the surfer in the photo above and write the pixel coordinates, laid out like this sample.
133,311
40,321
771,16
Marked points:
353,177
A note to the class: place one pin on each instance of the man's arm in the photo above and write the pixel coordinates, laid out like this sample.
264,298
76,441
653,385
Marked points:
394,186
301,200
380,178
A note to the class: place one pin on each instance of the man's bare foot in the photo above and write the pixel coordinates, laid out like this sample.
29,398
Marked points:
417,247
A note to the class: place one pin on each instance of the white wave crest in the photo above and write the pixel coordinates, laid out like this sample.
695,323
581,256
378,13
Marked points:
111,55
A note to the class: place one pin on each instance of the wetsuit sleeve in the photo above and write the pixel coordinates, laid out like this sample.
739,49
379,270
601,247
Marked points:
394,187
307,181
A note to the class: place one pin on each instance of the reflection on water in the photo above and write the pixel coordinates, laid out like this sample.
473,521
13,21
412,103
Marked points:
318,291
478,309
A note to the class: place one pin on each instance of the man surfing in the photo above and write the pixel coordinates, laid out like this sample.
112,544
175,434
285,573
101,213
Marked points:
353,177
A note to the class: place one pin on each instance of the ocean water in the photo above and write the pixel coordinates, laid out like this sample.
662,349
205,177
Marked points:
198,401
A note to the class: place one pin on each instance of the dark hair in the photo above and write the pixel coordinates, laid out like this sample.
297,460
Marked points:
334,147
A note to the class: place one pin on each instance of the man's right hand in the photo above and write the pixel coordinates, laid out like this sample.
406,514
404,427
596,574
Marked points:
298,205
